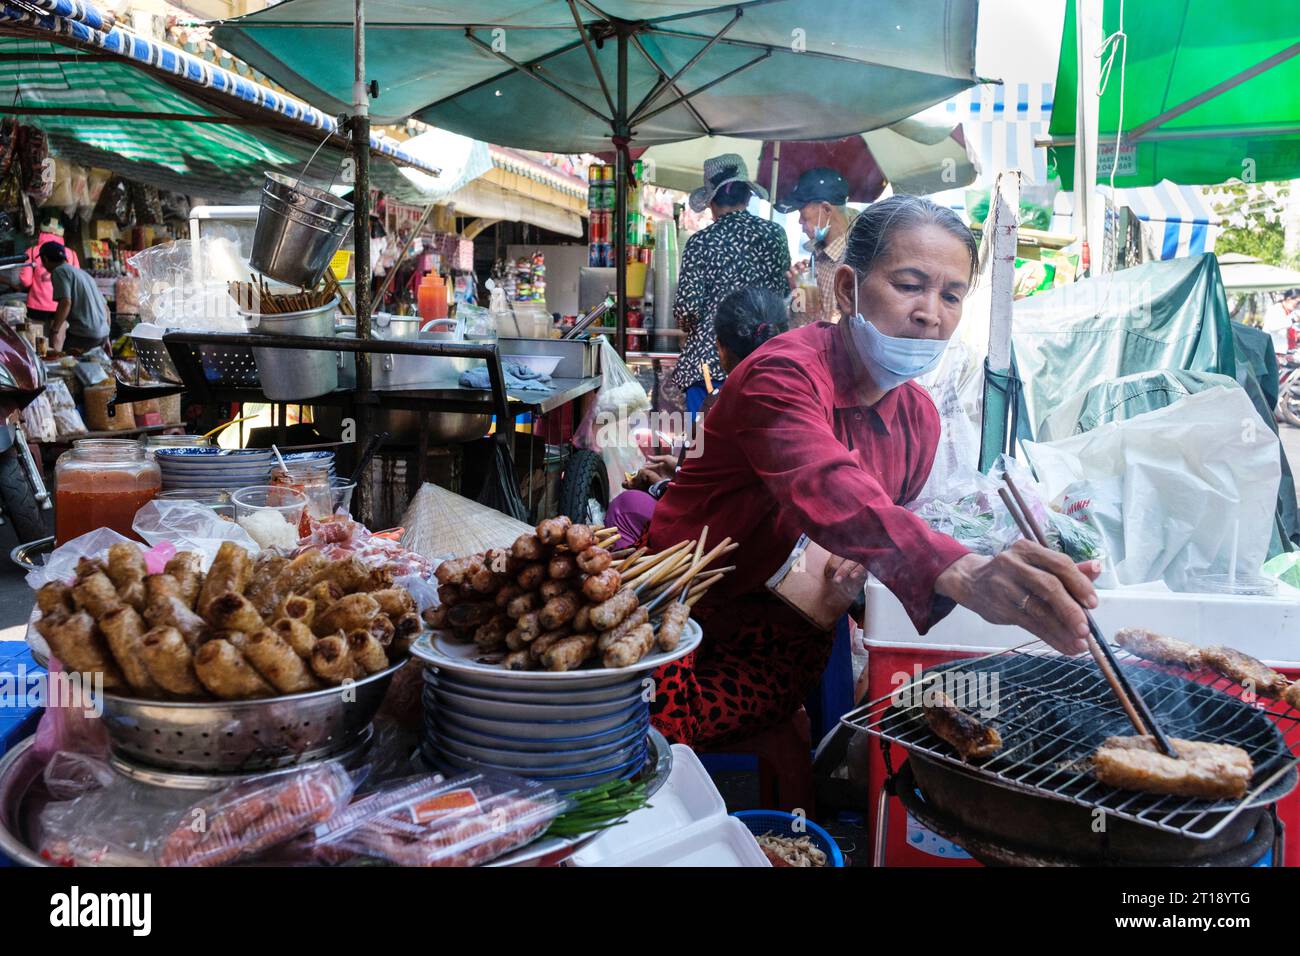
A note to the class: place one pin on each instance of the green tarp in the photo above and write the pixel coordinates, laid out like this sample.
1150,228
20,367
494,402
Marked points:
1179,50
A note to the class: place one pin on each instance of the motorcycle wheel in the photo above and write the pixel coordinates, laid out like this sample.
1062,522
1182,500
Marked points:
20,507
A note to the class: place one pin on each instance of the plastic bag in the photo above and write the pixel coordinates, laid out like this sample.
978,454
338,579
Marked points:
172,294
67,420
468,820
1167,489
248,818
61,565
614,417
118,824
620,393
38,420
189,526
968,509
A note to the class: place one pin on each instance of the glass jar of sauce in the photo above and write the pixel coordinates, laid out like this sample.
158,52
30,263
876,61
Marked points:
313,480
102,483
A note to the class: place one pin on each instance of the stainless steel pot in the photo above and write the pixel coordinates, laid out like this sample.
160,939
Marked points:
289,375
444,428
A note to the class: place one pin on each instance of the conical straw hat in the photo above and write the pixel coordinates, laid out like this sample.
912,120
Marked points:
440,523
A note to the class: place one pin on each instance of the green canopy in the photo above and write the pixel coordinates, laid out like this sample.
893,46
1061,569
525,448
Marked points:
1211,92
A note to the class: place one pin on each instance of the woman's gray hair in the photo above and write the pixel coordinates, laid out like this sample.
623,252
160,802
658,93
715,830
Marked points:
875,226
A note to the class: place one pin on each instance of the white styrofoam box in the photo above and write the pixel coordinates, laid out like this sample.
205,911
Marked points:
687,799
721,841
1264,627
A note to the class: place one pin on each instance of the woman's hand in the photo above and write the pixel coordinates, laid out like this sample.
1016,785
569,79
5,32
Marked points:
1029,586
656,468
843,571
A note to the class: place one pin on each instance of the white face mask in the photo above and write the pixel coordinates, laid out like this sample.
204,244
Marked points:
891,359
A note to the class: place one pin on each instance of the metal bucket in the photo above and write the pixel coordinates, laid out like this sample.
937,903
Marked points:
289,375
299,228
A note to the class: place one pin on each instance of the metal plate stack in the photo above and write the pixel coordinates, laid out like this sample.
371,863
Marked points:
569,729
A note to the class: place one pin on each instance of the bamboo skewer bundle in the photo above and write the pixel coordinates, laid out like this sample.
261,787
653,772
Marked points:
255,298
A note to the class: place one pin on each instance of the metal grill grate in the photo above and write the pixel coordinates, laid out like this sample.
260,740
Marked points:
1053,712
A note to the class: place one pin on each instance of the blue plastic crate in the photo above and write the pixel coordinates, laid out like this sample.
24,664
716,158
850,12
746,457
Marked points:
760,822
16,721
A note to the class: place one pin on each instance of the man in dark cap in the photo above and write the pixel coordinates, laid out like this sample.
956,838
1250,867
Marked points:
80,314
738,251
820,197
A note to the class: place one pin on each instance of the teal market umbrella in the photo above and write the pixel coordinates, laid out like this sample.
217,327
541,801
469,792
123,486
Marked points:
578,76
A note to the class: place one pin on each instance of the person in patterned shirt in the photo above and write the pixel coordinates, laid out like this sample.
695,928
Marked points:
739,250
820,197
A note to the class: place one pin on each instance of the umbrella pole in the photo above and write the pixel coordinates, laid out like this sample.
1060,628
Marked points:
776,170
362,406
621,135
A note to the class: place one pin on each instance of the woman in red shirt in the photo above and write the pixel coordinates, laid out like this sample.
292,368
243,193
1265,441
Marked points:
822,432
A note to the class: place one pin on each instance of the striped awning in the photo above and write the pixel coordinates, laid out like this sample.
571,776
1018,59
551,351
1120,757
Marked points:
234,131
1000,121
1176,219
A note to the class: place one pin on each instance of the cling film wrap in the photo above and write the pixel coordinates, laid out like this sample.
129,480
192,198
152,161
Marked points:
249,818
467,820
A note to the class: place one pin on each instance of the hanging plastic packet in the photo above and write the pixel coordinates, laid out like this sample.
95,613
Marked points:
468,820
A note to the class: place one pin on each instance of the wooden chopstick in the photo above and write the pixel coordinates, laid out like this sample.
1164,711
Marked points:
1139,714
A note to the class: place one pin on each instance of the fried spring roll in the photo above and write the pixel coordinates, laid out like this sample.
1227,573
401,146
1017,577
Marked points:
631,647
331,661
263,591
230,571
124,629
324,594
54,596
394,602
350,574
348,613
295,575
297,635
222,669
159,586
173,612
275,660
234,612
170,662
297,608
367,651
186,568
82,649
96,595
125,568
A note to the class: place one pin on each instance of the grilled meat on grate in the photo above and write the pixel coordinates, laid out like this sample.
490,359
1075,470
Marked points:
1206,770
972,740
1245,670
1156,647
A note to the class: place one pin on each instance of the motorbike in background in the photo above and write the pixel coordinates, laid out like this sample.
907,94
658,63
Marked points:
23,496
1288,373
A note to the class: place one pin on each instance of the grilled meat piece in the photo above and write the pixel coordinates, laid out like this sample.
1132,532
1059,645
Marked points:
971,739
1292,695
1151,646
1245,670
1209,771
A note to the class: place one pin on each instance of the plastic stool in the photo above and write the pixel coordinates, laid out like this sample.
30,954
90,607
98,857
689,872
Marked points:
833,697
784,757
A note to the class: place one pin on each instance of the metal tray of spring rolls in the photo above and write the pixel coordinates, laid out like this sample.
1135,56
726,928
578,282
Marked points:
21,801
240,736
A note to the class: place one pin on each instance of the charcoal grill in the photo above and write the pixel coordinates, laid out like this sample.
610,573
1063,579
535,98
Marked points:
1053,712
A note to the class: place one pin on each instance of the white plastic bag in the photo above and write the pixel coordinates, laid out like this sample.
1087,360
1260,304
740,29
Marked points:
189,526
67,420
611,423
1168,488
181,288
38,420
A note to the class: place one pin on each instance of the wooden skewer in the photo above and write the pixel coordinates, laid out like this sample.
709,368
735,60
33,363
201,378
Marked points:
641,566
632,558
665,570
695,569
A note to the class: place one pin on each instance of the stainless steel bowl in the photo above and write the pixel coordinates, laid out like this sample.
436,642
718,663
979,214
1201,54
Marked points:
244,735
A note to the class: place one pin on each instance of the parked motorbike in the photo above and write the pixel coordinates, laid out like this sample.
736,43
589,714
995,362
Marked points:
23,496
1288,373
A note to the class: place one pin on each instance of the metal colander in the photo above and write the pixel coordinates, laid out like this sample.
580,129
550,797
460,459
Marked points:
244,735
154,361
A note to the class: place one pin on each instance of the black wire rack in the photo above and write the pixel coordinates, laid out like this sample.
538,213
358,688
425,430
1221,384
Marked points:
1053,712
